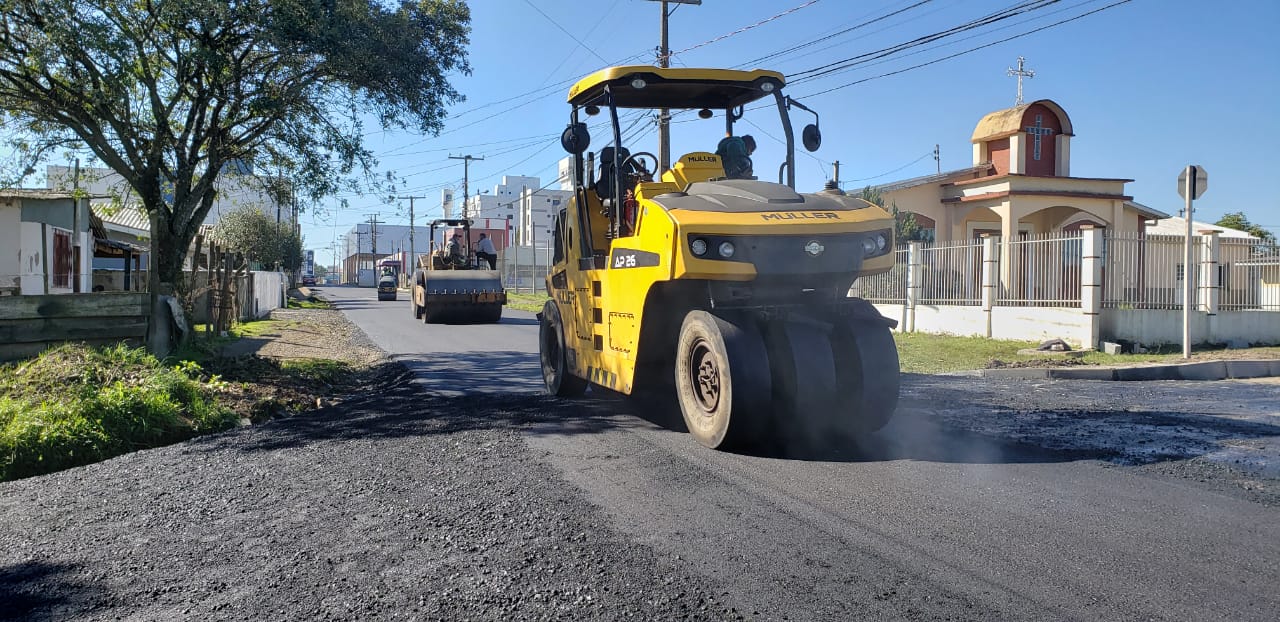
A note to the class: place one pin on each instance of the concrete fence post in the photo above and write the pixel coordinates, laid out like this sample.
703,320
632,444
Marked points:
990,277
1210,294
915,283
1091,242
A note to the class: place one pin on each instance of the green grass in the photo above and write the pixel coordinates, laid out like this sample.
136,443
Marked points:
930,354
258,328
327,371
526,302
74,405
313,303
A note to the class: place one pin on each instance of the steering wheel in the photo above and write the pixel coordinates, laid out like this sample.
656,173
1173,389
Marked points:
634,160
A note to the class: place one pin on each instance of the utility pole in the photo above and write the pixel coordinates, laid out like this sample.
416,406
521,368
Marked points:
413,258
466,178
835,172
937,158
664,60
373,240
360,250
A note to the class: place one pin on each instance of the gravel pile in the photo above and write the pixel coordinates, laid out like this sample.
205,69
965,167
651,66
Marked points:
390,506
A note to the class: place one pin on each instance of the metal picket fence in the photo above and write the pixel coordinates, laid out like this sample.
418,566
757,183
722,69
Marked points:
1146,271
1249,274
1041,270
951,273
888,287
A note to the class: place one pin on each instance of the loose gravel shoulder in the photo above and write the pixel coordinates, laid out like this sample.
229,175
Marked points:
389,506
316,333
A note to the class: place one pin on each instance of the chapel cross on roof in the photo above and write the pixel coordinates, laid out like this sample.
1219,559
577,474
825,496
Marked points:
1021,72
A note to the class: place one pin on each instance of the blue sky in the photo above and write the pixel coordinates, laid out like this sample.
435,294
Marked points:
1150,85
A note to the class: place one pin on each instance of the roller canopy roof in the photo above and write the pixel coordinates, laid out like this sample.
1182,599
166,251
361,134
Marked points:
676,87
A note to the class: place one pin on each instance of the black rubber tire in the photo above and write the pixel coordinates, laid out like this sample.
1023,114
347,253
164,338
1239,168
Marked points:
805,384
867,369
722,380
556,376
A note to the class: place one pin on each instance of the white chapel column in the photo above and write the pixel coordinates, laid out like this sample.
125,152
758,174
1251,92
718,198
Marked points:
1063,156
1018,153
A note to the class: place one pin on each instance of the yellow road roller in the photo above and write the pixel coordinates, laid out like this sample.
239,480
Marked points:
450,288
708,280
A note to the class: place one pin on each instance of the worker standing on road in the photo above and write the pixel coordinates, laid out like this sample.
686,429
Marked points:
486,251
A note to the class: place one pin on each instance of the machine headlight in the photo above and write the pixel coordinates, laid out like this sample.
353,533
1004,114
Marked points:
638,83
767,87
881,241
868,247
699,247
726,249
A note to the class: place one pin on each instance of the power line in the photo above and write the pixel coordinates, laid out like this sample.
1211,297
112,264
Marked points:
882,61
852,61
908,164
973,49
566,32
745,28
833,35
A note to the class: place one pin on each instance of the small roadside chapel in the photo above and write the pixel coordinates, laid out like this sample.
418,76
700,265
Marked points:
1020,182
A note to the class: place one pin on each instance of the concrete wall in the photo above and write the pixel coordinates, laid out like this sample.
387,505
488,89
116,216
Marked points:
268,292
951,320
1164,326
1041,323
1147,326
31,262
10,247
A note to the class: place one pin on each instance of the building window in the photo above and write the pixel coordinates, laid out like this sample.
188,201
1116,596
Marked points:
63,258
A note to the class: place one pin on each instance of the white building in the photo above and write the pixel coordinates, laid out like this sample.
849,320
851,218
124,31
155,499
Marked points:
538,210
522,200
236,189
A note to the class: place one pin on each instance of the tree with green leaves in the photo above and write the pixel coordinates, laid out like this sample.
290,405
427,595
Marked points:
170,93
1239,222
260,238
906,229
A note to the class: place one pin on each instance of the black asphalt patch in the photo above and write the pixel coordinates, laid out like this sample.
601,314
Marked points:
395,506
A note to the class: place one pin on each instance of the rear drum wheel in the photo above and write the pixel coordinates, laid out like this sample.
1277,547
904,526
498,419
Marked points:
556,376
493,313
722,380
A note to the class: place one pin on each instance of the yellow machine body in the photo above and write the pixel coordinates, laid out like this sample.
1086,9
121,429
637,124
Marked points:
685,270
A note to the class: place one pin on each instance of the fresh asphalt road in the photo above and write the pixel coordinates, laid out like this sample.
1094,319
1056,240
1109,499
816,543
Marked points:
449,360
928,520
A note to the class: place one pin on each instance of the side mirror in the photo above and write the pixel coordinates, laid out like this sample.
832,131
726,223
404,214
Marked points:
811,137
575,138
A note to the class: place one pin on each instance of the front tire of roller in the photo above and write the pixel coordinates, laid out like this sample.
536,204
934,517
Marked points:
722,380
556,376
867,367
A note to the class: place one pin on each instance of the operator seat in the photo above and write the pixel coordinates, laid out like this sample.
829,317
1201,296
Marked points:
696,166
604,184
